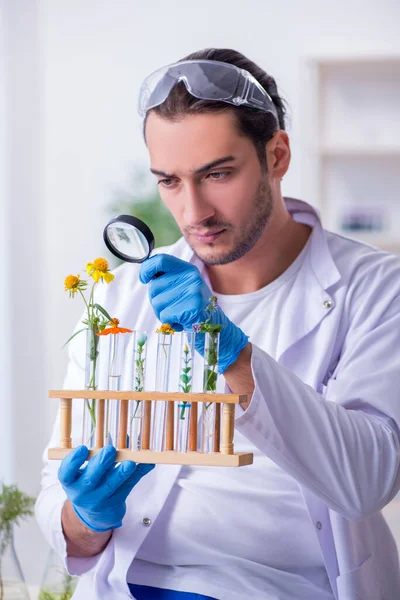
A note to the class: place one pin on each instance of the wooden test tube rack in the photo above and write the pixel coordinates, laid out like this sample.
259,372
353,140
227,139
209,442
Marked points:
223,454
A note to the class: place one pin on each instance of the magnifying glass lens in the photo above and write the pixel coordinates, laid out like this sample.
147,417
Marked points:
128,238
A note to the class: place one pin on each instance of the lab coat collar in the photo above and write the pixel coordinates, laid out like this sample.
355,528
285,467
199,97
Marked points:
321,259
322,263
309,299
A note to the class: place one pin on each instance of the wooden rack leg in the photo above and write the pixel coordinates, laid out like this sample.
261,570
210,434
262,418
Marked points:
123,424
100,423
66,422
193,427
169,439
146,425
228,428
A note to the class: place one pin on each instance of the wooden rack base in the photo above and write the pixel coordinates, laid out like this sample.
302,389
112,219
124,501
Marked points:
169,457
223,454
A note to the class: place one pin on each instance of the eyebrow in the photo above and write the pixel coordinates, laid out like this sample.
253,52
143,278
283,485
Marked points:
207,167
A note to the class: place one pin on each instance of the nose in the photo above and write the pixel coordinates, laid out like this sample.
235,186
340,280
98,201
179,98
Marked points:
196,209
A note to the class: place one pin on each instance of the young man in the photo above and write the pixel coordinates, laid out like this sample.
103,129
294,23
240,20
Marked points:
311,333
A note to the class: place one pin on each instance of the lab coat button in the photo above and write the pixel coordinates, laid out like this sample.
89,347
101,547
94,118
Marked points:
328,304
318,525
146,521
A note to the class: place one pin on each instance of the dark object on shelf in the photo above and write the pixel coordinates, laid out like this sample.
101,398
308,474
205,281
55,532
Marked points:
363,219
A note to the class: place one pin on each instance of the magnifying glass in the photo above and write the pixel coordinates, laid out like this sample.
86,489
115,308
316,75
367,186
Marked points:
128,238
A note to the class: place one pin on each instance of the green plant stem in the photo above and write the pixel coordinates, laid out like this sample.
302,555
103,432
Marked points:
212,361
84,299
5,537
1,581
91,406
139,386
140,369
91,302
136,408
182,413
188,386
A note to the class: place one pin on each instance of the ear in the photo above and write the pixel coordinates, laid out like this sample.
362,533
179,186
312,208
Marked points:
278,155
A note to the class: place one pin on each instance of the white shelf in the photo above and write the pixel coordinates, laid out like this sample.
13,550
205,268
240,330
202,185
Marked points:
359,151
329,61
354,150
359,103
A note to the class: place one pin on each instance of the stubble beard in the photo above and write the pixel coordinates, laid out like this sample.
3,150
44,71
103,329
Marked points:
249,233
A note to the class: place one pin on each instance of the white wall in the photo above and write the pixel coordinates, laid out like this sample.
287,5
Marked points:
5,301
81,137
23,304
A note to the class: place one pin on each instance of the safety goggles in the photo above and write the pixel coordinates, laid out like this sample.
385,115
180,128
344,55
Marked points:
207,80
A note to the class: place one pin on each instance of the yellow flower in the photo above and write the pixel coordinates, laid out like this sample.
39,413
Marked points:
166,329
99,270
72,284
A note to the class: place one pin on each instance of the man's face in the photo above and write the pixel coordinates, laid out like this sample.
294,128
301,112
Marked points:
211,180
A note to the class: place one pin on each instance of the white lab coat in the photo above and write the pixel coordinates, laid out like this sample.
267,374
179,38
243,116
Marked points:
327,412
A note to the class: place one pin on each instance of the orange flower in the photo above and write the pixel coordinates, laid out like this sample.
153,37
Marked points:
114,328
109,330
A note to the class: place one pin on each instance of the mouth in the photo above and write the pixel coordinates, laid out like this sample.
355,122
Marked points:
207,238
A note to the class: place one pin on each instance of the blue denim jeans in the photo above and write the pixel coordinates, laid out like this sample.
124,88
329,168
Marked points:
144,592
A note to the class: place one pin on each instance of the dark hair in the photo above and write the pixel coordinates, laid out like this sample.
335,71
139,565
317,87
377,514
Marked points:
257,125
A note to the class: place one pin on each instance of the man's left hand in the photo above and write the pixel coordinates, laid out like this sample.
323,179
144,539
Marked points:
179,296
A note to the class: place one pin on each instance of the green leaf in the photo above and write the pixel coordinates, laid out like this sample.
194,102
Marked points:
72,336
14,506
186,370
186,389
211,357
185,379
211,380
211,328
103,311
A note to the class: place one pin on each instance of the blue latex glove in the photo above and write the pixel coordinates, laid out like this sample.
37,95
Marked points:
179,296
99,490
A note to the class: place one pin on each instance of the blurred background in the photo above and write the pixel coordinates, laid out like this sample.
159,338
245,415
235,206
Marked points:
72,156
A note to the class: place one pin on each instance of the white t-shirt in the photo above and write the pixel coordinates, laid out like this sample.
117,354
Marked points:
276,555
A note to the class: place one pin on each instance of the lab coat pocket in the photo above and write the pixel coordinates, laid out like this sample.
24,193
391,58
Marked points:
360,583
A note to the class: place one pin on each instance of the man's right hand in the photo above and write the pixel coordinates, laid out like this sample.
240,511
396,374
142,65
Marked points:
98,491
